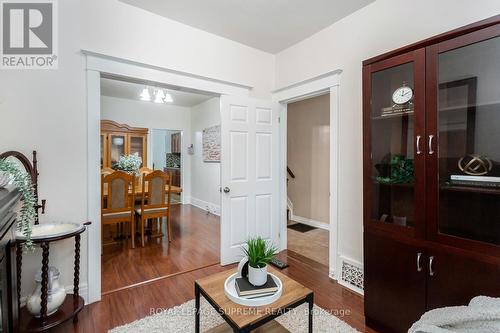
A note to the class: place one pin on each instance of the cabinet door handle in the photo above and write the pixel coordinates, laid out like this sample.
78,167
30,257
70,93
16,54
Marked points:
431,137
418,145
419,268
431,261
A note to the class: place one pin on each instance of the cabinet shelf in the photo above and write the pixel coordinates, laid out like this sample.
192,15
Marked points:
393,116
470,189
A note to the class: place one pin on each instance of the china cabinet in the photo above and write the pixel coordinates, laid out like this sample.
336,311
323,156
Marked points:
121,139
431,113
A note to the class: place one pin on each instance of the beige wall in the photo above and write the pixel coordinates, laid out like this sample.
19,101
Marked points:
308,146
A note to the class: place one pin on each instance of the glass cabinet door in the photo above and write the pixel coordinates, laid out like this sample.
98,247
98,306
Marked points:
393,174
465,124
117,147
137,145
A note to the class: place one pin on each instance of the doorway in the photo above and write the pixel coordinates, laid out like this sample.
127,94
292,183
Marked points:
308,178
166,134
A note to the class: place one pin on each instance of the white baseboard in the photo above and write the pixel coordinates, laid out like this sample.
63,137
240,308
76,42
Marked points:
312,223
206,206
83,290
351,274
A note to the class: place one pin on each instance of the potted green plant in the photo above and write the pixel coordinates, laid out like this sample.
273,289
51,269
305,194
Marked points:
259,253
11,174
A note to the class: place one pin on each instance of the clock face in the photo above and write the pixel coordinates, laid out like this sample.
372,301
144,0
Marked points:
402,95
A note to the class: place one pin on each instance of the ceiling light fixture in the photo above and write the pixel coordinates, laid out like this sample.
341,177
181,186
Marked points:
160,95
145,96
168,98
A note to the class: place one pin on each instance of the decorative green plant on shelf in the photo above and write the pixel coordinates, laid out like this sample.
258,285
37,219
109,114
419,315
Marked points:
129,163
27,213
259,252
402,171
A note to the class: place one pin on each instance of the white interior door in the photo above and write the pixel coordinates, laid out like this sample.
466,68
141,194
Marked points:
249,173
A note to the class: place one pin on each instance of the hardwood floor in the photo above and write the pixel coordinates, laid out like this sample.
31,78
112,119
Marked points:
312,244
196,244
127,305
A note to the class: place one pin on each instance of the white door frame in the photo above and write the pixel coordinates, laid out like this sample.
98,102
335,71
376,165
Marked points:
98,64
326,83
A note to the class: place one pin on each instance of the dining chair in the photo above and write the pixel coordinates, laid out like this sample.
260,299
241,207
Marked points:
119,205
155,201
106,171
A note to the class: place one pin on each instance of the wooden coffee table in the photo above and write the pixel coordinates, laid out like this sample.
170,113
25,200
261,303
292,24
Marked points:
243,318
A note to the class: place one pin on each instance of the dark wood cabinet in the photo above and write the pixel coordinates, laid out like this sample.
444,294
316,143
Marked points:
431,113
393,283
458,276
175,143
176,175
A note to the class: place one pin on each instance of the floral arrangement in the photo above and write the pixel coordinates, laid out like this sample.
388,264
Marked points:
22,181
129,163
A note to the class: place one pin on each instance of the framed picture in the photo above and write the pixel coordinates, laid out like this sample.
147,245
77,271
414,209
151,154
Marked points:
211,144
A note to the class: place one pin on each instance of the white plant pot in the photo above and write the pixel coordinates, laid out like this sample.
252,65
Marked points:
257,276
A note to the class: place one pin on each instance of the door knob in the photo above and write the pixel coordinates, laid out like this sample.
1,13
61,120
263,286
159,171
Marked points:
227,189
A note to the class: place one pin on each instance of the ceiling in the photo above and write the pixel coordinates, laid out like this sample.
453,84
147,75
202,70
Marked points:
271,26
132,90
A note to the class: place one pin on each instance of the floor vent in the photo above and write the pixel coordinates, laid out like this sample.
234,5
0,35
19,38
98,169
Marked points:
352,276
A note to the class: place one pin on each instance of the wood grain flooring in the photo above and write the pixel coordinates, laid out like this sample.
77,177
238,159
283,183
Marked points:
312,244
195,244
127,305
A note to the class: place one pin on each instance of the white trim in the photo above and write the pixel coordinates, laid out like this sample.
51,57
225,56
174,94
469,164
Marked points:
310,222
308,88
206,206
97,65
345,283
325,83
130,69
93,185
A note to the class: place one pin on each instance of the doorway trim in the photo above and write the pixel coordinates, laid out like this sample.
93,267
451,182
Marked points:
100,64
319,85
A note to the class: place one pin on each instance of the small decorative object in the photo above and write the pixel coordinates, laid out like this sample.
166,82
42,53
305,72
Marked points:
259,254
399,220
129,163
190,149
402,171
475,165
56,293
211,144
22,181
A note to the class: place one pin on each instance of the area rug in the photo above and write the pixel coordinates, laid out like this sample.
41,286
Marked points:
180,319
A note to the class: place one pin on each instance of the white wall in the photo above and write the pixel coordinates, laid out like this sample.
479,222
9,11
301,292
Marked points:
124,31
152,115
381,26
44,110
205,176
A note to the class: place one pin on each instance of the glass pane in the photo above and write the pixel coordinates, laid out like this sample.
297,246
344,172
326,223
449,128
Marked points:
469,137
137,146
392,126
117,148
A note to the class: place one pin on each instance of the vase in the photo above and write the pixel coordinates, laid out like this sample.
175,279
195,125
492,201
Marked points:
55,295
257,276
